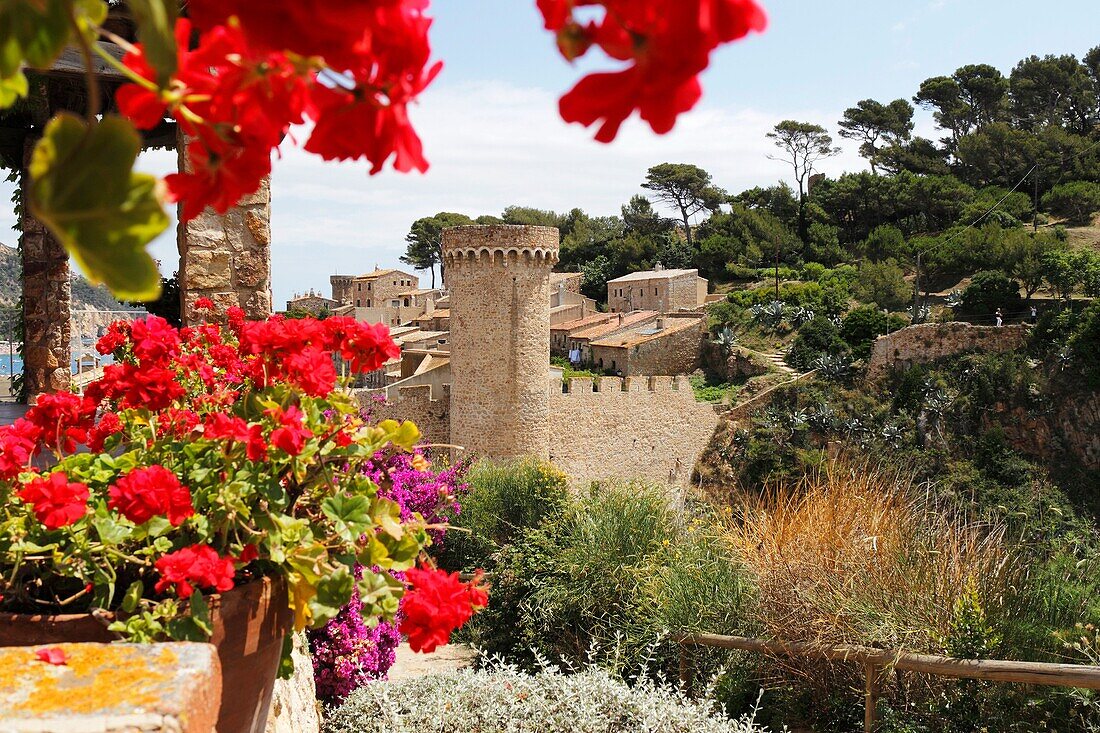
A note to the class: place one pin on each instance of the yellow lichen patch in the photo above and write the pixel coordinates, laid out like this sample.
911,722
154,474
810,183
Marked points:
96,678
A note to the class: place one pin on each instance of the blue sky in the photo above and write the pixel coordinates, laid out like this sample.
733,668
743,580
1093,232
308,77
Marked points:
491,130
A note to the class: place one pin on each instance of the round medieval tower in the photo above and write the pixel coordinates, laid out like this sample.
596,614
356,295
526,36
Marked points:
499,283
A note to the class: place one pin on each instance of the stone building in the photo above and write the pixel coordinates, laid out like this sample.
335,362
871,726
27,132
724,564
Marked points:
490,389
665,291
619,323
561,332
313,303
670,345
382,288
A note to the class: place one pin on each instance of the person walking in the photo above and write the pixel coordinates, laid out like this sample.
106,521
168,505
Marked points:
1000,318
1033,315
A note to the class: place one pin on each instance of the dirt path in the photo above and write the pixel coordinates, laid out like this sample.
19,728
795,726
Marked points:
409,664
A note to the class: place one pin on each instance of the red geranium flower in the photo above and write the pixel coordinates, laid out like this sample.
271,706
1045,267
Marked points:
108,425
56,501
118,333
197,565
18,444
63,418
291,435
51,655
437,603
227,427
204,304
148,492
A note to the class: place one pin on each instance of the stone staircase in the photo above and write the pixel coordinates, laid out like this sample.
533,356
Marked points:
776,359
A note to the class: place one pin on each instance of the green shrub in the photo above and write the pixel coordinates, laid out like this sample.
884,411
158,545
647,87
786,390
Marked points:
863,325
816,338
501,502
709,389
989,291
883,284
502,699
1077,200
1084,344
613,570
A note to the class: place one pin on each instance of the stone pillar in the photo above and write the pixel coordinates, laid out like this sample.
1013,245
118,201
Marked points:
47,298
227,258
499,280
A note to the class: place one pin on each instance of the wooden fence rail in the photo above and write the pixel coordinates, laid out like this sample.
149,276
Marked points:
877,662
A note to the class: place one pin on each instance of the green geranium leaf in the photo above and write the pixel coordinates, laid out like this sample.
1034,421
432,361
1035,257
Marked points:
133,596
156,30
84,189
12,89
110,532
333,593
351,515
34,32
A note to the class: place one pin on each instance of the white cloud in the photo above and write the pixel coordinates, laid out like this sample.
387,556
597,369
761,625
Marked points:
491,145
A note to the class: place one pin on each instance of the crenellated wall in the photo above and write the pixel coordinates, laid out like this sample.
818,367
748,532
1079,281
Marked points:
930,342
418,404
645,428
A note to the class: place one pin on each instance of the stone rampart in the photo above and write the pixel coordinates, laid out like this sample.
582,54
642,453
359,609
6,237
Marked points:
418,404
645,428
930,342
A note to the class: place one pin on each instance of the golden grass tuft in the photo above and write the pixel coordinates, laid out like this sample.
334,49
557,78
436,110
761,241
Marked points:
855,555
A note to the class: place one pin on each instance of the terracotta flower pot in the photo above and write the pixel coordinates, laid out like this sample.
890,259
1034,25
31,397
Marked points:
250,623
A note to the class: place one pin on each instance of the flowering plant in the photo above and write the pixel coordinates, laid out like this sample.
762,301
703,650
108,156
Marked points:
206,457
237,75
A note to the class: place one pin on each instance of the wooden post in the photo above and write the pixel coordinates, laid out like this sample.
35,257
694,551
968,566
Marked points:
687,666
870,697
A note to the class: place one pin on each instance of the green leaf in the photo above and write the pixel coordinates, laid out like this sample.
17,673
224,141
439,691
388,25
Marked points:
157,32
110,532
350,515
133,596
333,593
12,89
84,189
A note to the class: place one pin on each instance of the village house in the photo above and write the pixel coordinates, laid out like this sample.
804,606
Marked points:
669,345
581,340
665,291
560,332
312,303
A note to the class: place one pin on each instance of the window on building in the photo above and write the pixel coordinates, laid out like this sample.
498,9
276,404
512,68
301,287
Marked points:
368,302
359,304
368,286
654,291
359,286
406,302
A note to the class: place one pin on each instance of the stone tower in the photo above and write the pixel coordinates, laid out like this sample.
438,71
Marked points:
499,282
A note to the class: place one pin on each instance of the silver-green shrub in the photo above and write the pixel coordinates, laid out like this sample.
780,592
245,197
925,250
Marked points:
502,699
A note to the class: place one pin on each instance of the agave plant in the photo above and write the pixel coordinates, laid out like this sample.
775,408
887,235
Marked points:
726,340
769,315
954,299
800,315
833,367
892,435
823,418
919,313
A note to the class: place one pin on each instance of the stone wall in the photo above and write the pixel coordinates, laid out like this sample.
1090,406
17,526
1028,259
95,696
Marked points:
650,429
499,280
227,258
47,299
419,404
931,342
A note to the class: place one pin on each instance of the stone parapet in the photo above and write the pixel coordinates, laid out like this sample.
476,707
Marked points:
930,342
111,688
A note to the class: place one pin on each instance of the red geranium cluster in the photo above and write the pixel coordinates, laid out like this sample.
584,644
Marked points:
149,492
56,501
197,565
667,43
436,604
259,68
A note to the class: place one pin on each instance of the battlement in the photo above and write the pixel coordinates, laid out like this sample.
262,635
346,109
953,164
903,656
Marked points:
500,244
581,386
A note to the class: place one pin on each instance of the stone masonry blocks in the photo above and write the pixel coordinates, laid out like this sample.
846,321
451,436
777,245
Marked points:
47,301
499,279
227,257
